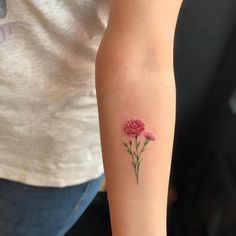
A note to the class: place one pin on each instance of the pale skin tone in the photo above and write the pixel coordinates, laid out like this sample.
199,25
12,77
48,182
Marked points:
135,79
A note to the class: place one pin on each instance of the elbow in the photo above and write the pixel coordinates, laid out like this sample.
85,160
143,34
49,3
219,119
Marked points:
122,61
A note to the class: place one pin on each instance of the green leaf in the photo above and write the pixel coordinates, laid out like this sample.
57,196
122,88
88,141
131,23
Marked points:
125,144
129,151
134,164
146,141
138,144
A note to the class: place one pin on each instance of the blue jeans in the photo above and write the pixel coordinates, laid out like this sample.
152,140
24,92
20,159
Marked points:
27,210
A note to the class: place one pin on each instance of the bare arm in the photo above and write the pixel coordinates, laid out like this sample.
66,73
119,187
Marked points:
136,101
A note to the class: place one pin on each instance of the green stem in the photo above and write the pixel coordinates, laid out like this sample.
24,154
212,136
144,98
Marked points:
131,153
136,173
143,148
144,145
137,166
137,160
136,143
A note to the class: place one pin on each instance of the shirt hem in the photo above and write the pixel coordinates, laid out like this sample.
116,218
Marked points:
48,181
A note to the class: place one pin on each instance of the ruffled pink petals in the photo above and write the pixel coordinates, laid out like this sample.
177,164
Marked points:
133,127
149,135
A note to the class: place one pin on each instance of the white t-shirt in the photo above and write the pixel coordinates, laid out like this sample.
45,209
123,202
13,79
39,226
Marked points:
49,129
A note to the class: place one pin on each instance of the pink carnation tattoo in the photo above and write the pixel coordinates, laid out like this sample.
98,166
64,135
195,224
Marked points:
133,129
149,135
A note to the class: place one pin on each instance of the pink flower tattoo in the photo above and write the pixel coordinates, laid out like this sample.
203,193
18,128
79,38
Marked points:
149,135
133,128
138,140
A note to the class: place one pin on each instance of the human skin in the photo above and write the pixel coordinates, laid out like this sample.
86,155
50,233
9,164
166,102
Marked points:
135,80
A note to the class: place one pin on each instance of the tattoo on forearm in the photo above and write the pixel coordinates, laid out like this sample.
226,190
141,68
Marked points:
138,140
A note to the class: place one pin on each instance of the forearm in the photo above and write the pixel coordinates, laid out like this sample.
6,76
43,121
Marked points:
128,87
